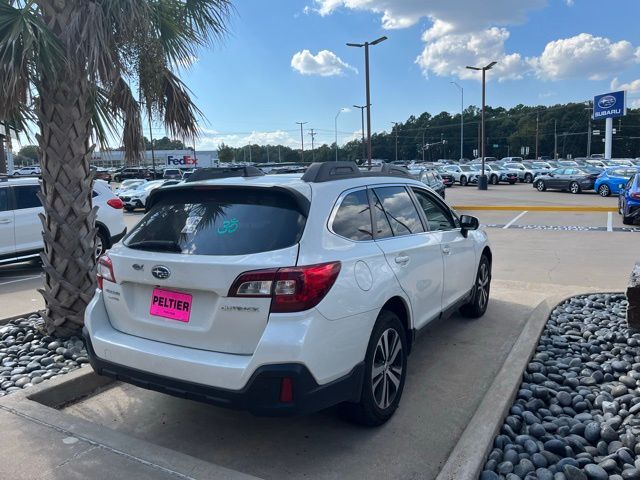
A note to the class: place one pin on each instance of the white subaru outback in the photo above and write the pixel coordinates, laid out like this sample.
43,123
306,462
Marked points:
284,295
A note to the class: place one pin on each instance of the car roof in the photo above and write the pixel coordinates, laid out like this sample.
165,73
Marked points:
20,181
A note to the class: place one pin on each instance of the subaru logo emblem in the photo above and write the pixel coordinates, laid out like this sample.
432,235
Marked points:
161,272
607,101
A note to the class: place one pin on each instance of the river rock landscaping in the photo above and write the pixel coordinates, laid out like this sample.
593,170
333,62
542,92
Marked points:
577,412
28,356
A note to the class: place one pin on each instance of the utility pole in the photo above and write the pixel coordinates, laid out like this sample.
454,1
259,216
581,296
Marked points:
267,153
364,145
367,87
336,127
537,132
555,139
153,155
395,127
302,140
279,159
423,144
313,136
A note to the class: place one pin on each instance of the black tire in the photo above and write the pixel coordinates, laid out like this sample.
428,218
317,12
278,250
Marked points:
604,190
494,180
368,411
528,178
625,219
512,182
477,305
102,242
117,179
128,208
574,187
463,181
540,186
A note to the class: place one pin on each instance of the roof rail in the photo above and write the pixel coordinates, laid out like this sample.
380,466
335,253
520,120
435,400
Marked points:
328,171
223,172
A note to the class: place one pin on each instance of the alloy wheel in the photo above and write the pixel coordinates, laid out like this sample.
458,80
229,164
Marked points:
386,372
99,246
540,186
604,190
483,286
574,188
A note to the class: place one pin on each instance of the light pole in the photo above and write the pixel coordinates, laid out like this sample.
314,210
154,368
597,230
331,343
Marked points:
336,127
590,109
423,144
302,140
461,118
313,150
364,152
482,181
395,127
368,90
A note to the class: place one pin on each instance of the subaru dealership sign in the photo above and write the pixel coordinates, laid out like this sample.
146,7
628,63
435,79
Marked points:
609,105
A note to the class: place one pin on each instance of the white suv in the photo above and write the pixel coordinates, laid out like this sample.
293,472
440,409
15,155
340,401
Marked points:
27,171
284,294
21,229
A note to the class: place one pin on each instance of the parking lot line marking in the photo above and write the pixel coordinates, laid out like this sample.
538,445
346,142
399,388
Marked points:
609,222
19,280
514,220
538,208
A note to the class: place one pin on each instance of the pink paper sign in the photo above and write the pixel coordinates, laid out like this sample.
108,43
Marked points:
171,305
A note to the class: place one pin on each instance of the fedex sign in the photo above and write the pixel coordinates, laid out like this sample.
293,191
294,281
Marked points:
183,161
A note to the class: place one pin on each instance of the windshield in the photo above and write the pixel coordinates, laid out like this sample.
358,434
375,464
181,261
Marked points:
465,168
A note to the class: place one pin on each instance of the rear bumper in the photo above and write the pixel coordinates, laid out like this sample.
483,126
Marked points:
260,396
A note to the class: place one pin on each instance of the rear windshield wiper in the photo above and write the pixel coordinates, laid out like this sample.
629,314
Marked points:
155,245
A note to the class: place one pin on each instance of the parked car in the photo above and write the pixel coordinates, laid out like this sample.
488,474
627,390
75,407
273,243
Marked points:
133,172
619,162
447,178
102,174
511,160
611,178
27,172
574,180
463,174
137,198
172,174
130,184
21,229
244,295
526,174
432,179
629,200
496,174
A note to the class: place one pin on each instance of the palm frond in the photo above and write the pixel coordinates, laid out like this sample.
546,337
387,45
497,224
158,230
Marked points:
180,112
124,104
28,53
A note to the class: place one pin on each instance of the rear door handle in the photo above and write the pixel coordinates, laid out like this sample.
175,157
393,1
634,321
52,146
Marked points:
446,249
5,220
402,259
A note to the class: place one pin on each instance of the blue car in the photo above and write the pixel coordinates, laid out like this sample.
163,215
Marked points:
629,200
611,178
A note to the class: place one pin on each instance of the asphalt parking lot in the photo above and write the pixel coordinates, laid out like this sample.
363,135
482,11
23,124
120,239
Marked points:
536,254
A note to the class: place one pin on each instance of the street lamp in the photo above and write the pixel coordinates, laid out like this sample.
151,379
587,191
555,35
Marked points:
343,109
368,90
461,118
482,181
364,153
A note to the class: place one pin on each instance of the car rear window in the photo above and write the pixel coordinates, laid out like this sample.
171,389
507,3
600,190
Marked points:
220,222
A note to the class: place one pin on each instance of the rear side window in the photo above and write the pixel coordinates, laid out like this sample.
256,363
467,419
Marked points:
220,222
400,210
27,196
4,199
353,218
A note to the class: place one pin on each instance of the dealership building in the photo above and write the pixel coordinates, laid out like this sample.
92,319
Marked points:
163,158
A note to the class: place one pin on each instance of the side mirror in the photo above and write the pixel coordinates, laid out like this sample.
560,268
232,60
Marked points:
468,222
621,186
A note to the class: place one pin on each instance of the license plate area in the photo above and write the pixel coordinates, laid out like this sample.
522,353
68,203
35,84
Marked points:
171,305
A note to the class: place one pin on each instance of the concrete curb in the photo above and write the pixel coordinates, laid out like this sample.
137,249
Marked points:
31,405
4,321
537,208
468,456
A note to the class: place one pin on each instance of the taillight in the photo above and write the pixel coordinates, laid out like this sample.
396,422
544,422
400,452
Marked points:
291,289
105,271
635,195
115,203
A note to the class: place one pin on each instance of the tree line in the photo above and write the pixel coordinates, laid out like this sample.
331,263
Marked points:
560,128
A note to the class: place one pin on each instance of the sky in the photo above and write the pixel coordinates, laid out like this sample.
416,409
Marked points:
286,61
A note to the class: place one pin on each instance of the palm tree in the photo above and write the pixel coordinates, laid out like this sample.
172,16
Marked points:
73,66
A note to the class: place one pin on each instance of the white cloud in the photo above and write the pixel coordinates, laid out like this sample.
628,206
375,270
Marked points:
211,139
631,87
449,55
634,103
584,55
461,14
325,63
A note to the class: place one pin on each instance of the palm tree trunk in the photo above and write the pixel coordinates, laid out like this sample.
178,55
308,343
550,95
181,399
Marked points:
69,219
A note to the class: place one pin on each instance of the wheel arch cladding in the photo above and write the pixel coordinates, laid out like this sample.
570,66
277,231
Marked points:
398,306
